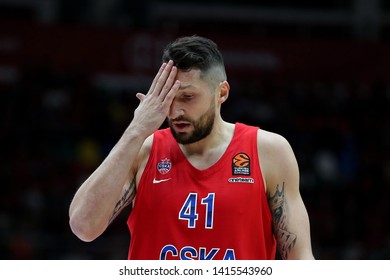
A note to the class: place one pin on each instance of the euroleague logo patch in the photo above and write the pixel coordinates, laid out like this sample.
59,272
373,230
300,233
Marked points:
241,164
164,166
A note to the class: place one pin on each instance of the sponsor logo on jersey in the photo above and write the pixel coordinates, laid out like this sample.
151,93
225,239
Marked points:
155,181
164,166
241,180
241,164
190,253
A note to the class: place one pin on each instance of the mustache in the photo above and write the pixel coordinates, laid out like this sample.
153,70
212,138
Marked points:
179,119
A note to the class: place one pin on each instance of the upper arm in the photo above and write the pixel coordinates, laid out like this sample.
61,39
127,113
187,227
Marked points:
281,175
129,189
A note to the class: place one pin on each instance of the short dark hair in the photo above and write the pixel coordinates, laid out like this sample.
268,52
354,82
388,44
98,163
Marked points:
196,52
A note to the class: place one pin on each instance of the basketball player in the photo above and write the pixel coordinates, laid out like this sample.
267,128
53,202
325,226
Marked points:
202,188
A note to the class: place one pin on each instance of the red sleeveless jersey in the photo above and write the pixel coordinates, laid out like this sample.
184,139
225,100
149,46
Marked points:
181,212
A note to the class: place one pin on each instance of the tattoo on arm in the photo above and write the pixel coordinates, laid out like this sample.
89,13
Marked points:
125,200
278,206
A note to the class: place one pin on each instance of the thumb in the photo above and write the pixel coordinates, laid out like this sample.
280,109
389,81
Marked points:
140,96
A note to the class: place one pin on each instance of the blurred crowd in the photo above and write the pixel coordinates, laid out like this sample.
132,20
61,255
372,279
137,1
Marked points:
56,127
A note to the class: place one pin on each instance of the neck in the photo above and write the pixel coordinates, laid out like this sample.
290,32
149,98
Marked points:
219,138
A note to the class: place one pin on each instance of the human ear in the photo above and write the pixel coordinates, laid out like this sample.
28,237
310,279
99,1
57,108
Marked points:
223,93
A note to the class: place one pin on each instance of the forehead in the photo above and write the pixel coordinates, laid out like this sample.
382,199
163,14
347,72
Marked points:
191,78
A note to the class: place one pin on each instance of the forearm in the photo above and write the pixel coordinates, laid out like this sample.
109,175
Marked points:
93,204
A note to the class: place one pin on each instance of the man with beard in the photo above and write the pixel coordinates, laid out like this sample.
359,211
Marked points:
202,188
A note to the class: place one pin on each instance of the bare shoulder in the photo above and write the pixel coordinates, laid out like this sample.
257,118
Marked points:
273,147
146,147
143,155
277,159
271,141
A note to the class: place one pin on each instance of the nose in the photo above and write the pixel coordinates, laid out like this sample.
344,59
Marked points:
175,111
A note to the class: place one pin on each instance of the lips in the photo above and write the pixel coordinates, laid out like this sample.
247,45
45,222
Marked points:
180,126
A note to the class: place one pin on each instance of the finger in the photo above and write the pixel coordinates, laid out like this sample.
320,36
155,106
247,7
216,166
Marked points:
171,94
152,87
162,79
168,83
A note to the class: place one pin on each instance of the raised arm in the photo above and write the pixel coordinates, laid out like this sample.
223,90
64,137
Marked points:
112,185
290,219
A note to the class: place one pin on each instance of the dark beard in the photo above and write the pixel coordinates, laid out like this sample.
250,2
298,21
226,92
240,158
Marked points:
202,128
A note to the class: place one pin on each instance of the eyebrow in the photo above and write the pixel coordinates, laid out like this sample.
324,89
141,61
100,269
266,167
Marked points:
185,87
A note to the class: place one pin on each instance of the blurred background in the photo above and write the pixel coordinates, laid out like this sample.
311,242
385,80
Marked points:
317,72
